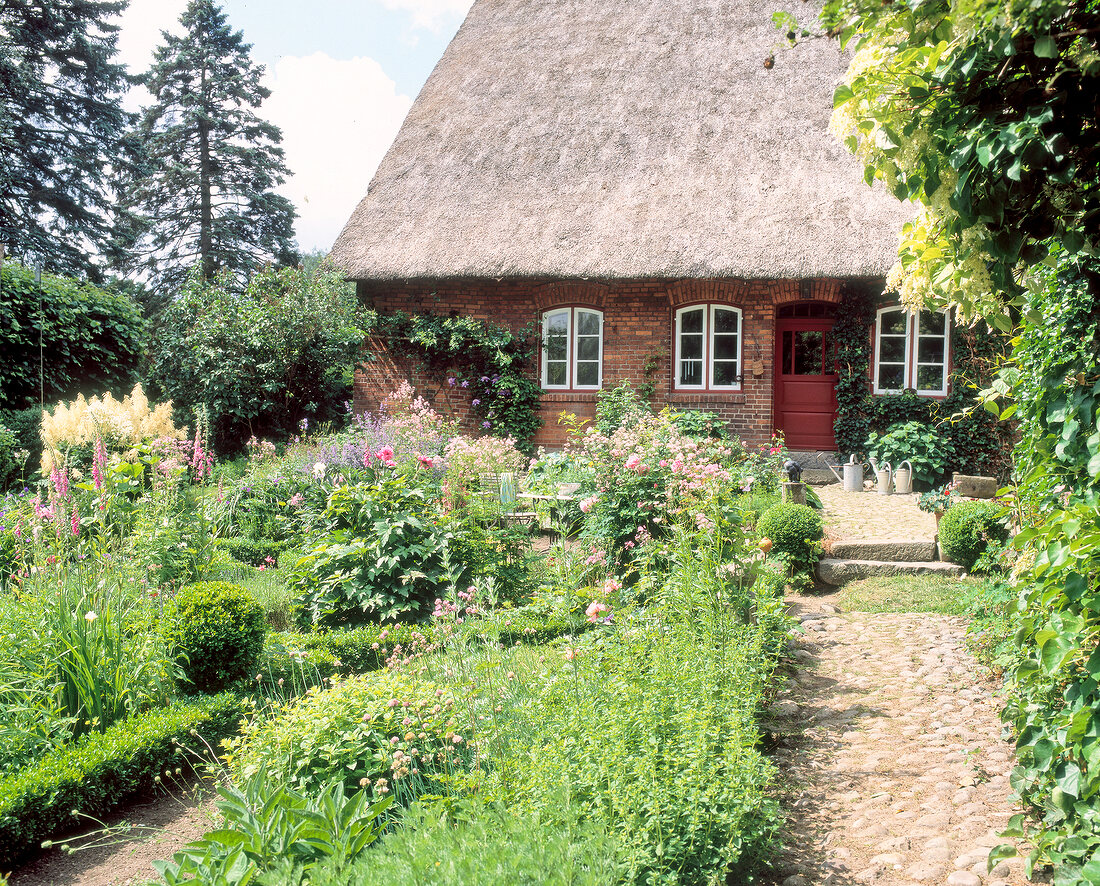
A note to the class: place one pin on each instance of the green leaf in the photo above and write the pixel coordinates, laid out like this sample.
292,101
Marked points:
842,94
1046,47
1054,651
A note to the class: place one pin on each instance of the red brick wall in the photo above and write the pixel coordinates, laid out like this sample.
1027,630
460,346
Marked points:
638,324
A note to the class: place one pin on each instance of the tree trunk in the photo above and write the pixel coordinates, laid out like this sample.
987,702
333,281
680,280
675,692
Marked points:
206,220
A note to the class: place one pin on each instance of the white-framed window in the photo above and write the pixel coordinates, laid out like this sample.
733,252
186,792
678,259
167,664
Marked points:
708,348
911,351
572,349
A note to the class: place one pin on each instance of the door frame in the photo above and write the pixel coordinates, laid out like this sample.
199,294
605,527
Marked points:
792,324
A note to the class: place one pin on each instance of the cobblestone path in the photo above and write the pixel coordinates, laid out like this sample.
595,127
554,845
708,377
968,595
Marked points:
891,751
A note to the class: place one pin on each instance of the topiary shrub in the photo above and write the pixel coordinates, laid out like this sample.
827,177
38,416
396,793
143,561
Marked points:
967,529
216,631
795,531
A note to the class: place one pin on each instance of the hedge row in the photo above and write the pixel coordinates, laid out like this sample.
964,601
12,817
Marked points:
97,774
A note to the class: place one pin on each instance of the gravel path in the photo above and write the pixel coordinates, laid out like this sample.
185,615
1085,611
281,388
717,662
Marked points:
890,744
868,515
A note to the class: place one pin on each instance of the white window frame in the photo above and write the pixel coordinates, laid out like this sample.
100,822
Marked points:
572,343
708,384
911,350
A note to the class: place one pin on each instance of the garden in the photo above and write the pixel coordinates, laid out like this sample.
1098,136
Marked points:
396,663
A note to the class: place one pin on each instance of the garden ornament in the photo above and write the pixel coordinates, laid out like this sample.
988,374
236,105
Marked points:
793,469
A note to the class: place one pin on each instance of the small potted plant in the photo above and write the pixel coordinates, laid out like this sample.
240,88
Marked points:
937,501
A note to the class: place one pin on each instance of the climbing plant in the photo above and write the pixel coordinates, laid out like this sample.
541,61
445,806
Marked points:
493,362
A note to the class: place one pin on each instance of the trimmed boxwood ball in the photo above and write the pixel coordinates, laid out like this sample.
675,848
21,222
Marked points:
794,530
967,528
216,631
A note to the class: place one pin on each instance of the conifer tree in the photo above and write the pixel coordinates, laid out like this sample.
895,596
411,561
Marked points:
61,128
205,193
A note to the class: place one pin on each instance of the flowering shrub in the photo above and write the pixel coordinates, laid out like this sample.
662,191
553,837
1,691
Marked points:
120,424
384,731
469,457
643,475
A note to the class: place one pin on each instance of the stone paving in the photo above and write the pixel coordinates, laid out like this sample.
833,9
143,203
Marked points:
891,750
868,515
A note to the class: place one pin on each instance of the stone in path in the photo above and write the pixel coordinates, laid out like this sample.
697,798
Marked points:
891,752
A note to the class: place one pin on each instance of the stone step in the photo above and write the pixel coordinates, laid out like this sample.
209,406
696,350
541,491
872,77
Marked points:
834,571
894,550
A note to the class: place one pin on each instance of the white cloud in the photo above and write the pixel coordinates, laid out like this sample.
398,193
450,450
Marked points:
431,14
141,24
338,118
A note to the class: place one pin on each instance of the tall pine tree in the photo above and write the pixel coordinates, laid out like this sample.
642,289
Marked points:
61,128
205,194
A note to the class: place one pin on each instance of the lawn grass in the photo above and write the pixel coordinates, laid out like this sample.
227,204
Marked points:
914,593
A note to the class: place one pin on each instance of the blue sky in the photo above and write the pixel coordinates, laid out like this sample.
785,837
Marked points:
342,73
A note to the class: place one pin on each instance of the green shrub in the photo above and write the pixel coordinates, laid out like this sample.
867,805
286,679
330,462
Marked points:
795,531
487,846
967,529
216,631
97,774
372,729
92,341
344,651
929,450
378,554
618,407
26,426
700,424
254,551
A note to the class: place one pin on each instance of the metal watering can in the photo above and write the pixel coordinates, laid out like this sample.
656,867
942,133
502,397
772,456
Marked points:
903,478
885,476
853,475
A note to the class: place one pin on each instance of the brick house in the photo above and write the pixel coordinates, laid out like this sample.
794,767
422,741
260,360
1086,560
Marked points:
634,177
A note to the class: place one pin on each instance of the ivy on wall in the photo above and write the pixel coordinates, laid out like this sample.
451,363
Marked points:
493,362
985,442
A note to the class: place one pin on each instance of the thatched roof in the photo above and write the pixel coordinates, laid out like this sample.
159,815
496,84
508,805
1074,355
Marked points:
622,138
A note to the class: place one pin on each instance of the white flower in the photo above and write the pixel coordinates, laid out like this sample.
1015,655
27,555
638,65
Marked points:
90,616
319,470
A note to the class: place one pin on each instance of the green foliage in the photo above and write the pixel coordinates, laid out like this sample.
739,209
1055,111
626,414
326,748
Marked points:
345,731
1055,391
271,827
347,651
985,114
618,407
96,775
216,631
61,129
92,339
968,528
12,465
254,551
795,531
494,362
258,361
204,194
26,425
377,554
929,452
483,846
700,424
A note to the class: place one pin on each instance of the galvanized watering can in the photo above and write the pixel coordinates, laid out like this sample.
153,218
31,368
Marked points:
884,475
903,478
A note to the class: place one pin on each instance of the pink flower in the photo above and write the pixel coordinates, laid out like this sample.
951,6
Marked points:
74,521
596,610
426,461
587,504
632,463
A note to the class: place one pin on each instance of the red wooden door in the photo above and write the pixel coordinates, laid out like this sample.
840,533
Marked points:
805,382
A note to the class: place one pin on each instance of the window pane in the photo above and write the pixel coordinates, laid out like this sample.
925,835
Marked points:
893,322
691,372
587,324
891,350
555,374
588,349
932,323
558,323
692,321
725,374
725,321
808,346
930,350
588,374
891,378
930,378
555,347
691,347
725,347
